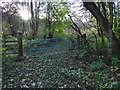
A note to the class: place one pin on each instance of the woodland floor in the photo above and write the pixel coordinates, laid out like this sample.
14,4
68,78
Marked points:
56,70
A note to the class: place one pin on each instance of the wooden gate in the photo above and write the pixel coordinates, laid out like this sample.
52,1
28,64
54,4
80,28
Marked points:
9,43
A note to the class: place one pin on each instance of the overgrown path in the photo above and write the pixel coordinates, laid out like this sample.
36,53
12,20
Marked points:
55,70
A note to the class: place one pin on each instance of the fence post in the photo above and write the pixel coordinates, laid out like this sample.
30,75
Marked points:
20,49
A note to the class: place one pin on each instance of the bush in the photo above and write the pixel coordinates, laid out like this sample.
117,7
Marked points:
115,61
99,75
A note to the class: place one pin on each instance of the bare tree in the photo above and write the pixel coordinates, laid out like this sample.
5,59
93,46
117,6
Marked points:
9,10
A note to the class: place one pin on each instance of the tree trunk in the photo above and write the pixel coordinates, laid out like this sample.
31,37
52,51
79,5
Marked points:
32,18
110,33
104,24
36,17
20,49
50,35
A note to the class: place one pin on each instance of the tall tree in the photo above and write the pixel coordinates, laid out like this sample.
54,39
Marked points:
102,9
110,31
55,18
9,14
48,25
32,18
49,6
37,16
104,24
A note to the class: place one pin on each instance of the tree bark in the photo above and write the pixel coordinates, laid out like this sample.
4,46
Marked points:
104,24
49,21
20,49
36,17
32,18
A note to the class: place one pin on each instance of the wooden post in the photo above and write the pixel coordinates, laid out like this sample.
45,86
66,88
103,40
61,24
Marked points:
20,49
84,39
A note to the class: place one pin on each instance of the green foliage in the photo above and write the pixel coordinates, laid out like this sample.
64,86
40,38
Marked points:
5,25
12,58
15,21
95,79
97,64
101,44
82,53
2,49
58,20
61,35
18,22
115,61
69,73
61,10
116,27
99,75
115,85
